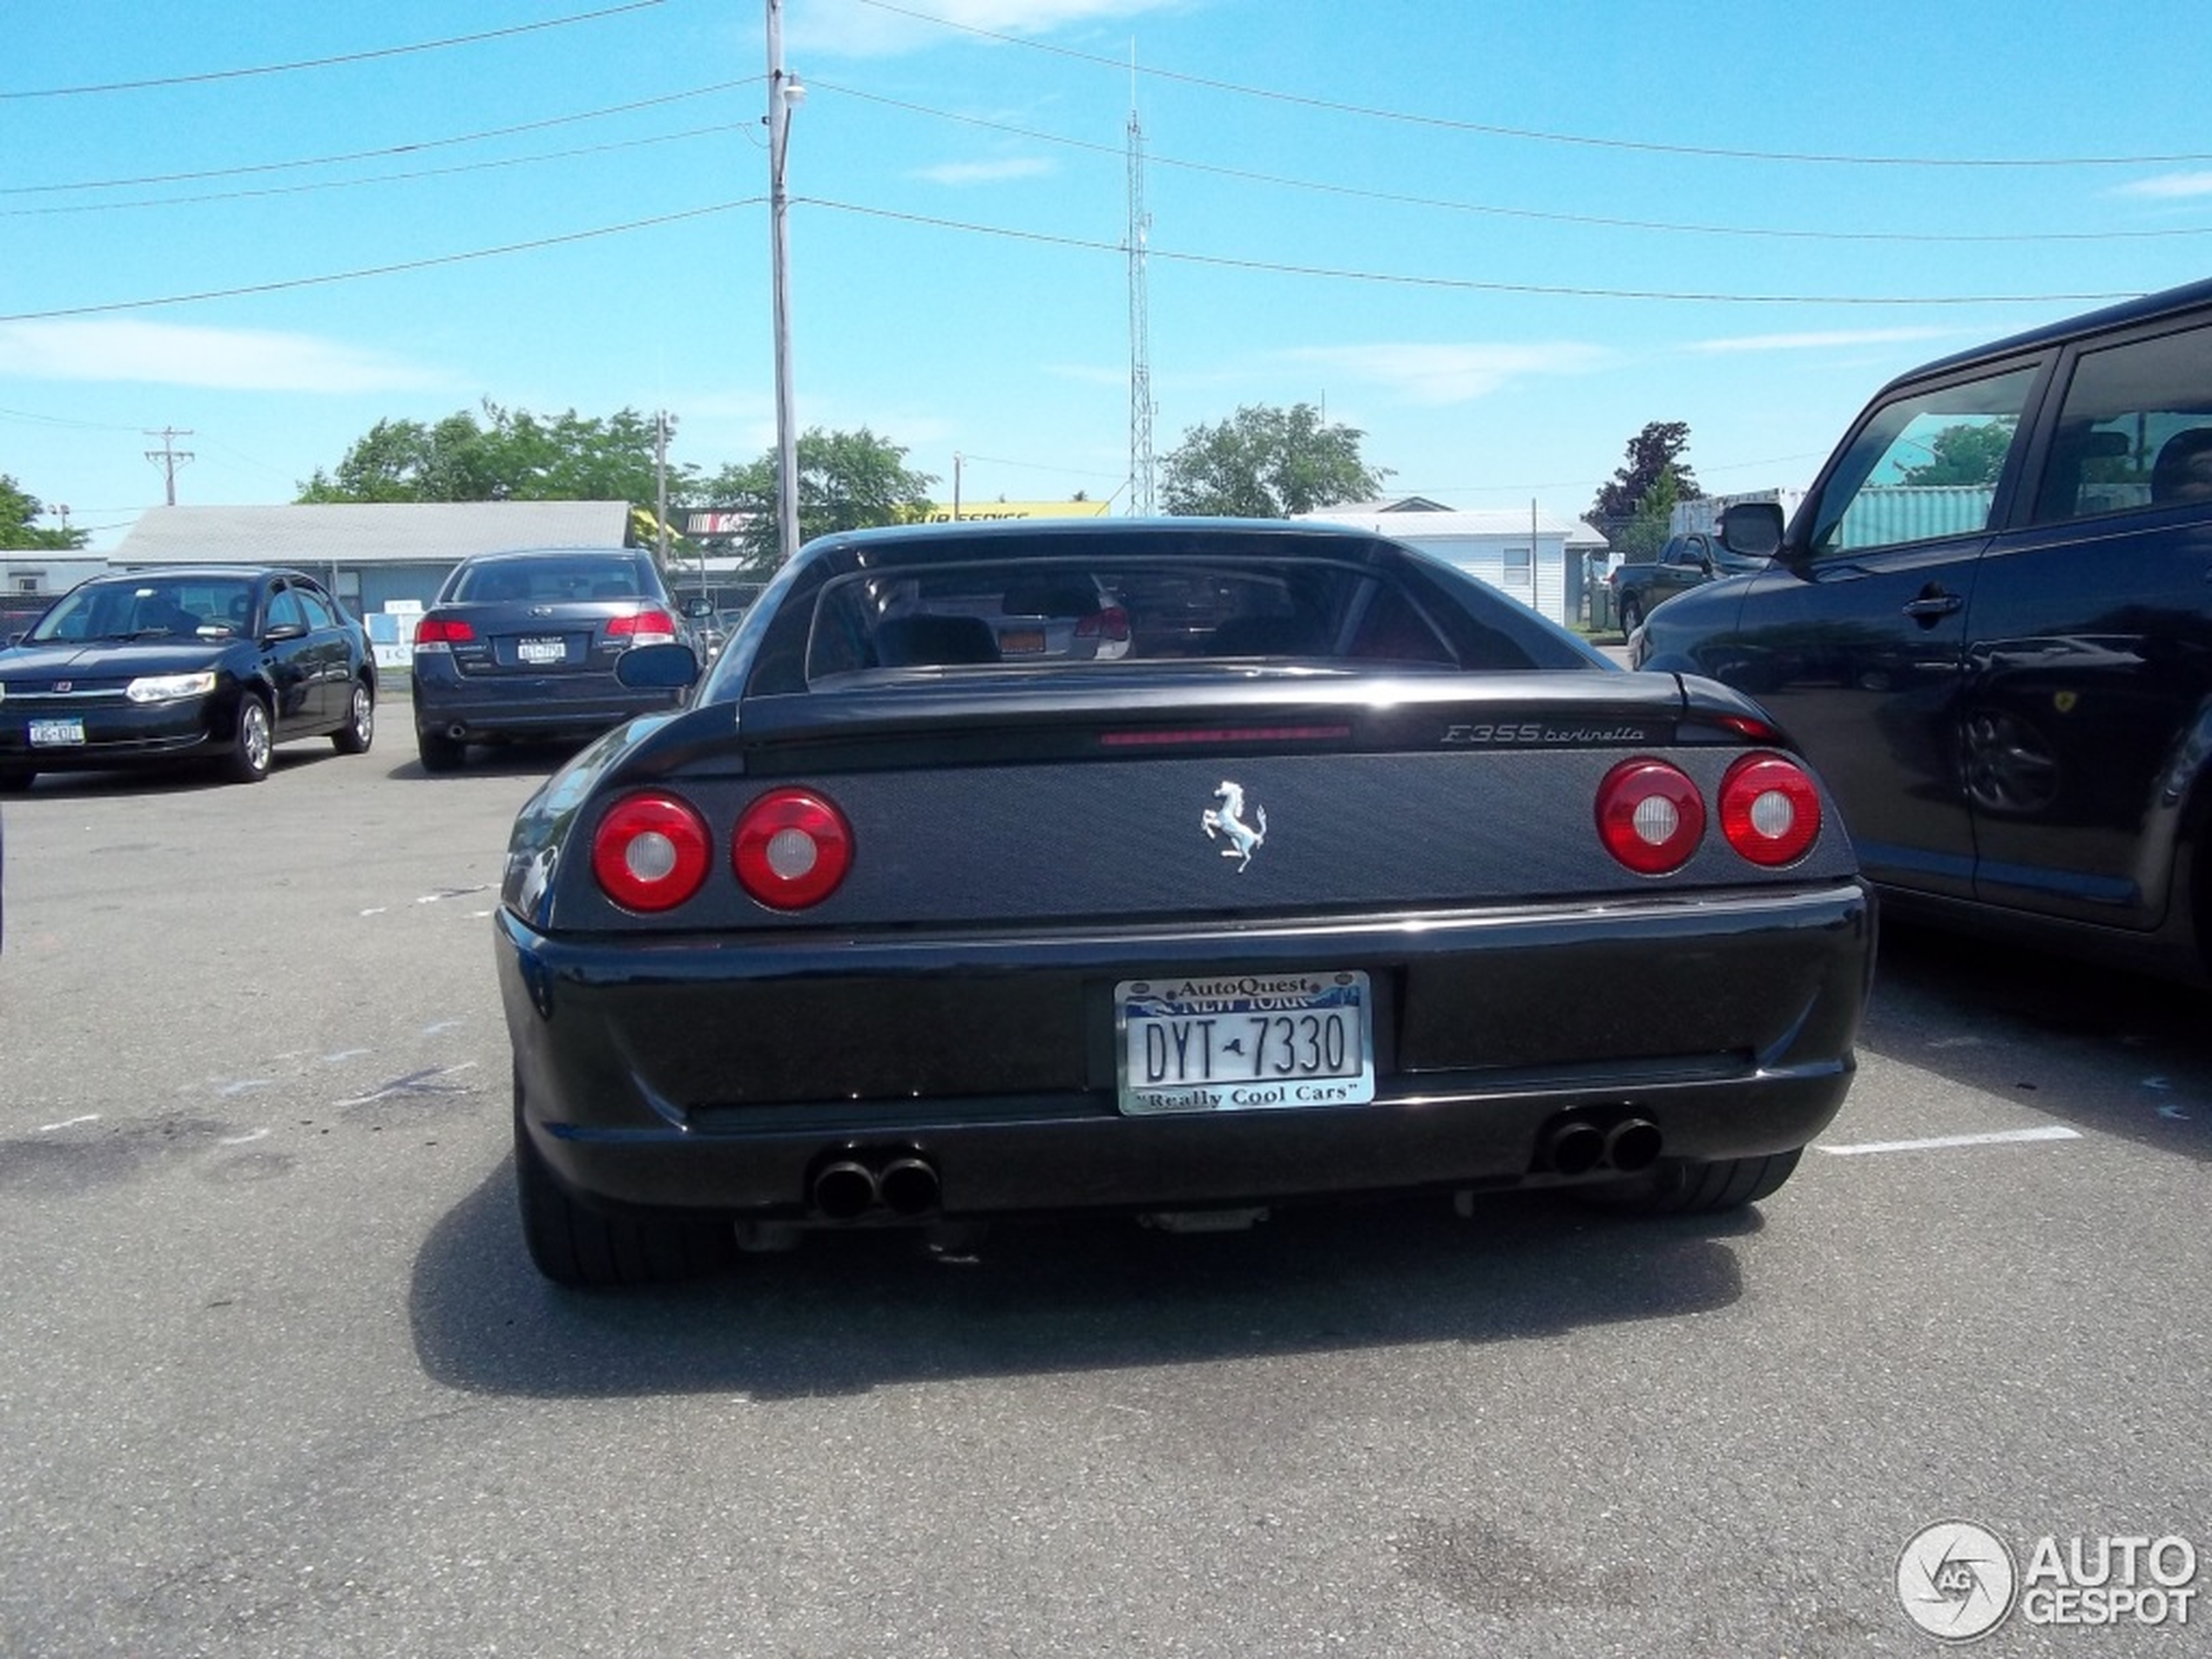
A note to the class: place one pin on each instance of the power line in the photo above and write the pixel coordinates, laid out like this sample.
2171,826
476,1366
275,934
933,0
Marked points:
1593,220
382,270
389,151
1536,135
382,179
329,63
1049,240
1469,284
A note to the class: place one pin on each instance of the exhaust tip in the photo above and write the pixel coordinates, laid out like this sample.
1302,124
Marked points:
908,1187
1575,1147
1632,1145
845,1191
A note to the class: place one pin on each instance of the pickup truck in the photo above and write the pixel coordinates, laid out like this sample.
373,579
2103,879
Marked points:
1686,561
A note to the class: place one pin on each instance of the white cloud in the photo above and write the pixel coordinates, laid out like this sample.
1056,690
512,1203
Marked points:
2170,186
240,360
958,173
1439,374
1820,339
851,29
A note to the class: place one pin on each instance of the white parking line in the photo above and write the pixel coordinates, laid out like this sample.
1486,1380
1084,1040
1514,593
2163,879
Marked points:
2001,1137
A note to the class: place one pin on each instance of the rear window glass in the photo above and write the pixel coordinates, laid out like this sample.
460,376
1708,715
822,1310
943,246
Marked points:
547,580
1055,614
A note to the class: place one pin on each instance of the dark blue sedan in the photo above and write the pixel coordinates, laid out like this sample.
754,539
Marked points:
215,663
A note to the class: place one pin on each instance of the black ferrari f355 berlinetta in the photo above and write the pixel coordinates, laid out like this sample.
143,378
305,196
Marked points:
1177,867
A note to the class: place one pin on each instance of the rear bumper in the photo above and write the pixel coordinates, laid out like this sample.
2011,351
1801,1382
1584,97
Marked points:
484,709
720,1075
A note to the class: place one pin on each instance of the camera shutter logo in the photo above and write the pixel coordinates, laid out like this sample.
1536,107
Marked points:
1956,1581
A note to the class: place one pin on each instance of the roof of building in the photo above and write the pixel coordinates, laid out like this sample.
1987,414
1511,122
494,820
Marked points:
368,533
1425,525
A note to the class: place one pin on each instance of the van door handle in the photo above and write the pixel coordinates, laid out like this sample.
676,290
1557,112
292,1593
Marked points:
1931,606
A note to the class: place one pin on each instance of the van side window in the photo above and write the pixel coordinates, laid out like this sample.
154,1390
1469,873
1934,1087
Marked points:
1924,467
2134,431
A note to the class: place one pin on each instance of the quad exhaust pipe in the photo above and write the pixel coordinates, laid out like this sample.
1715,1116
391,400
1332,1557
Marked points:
904,1184
1576,1146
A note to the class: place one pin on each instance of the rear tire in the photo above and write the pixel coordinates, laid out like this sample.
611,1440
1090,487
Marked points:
253,740
1631,617
580,1248
359,729
439,752
1687,1189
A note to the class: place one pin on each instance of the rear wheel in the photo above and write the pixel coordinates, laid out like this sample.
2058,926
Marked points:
439,752
1683,1187
359,729
253,740
575,1246
1631,615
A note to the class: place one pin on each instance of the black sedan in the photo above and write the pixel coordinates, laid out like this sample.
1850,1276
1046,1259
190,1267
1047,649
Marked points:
215,663
521,646
886,927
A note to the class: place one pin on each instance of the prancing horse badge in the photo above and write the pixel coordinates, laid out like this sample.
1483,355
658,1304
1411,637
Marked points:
1228,820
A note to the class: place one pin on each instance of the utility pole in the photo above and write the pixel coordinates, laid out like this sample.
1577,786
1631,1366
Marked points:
169,457
784,91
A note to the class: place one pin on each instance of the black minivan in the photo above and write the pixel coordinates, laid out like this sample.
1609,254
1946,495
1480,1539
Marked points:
1989,625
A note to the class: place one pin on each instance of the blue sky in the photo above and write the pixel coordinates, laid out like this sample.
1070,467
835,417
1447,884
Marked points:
1497,238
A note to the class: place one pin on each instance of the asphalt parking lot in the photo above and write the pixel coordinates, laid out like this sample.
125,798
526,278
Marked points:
278,1380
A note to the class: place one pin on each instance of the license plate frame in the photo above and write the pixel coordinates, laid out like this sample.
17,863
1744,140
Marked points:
540,652
61,732
1200,1043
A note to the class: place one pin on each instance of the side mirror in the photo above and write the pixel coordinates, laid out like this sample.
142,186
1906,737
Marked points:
658,668
1752,528
284,631
699,609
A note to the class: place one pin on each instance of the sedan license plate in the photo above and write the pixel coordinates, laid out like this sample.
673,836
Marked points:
1021,641
543,651
46,734
1246,1043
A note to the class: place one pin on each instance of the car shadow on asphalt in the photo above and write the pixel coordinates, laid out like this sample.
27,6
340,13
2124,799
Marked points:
2094,1048
849,1311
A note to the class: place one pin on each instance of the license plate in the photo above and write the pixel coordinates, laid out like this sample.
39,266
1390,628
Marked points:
1024,641
46,734
1246,1043
543,651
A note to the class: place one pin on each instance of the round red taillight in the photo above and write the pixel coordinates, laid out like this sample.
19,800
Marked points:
1770,810
651,852
1649,816
791,849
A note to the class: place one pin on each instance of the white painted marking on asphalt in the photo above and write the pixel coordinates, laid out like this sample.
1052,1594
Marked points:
69,1123
2173,1114
2158,1082
374,910
1956,1042
247,1139
443,1027
245,1086
343,1055
2000,1137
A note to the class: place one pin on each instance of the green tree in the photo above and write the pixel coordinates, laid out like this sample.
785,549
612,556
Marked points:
1646,531
1656,450
1971,452
510,455
1266,462
19,515
847,480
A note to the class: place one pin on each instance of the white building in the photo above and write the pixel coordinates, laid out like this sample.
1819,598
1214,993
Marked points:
1537,557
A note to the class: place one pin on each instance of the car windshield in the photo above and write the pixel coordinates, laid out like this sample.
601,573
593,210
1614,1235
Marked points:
547,580
206,607
1052,612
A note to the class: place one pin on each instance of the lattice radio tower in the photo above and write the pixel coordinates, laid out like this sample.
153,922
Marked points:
1140,345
